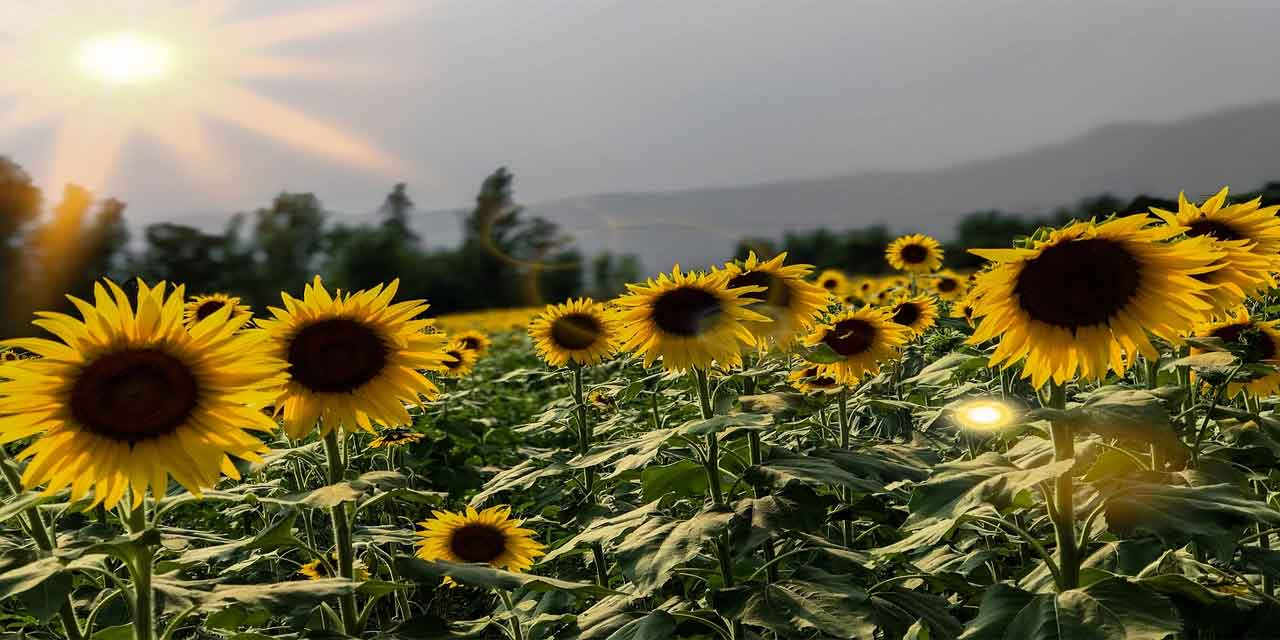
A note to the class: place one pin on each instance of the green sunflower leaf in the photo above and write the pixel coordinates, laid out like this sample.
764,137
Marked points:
486,577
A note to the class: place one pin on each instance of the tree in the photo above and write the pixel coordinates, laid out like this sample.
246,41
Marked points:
288,245
20,202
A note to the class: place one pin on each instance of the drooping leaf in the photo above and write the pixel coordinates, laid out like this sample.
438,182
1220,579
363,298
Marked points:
809,601
784,469
660,544
487,577
521,476
605,530
1213,514
958,487
1110,609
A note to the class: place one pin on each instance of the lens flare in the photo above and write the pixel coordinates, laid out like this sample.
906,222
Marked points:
984,415
125,57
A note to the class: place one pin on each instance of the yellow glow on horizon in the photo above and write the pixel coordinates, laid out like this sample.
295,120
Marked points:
984,415
125,57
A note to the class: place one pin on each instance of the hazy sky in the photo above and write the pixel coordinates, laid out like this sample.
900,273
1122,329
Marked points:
585,96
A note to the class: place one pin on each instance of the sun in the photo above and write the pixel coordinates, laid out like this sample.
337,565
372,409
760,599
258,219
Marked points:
98,75
125,57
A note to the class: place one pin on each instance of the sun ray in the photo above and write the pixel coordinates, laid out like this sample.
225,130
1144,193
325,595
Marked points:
263,32
69,160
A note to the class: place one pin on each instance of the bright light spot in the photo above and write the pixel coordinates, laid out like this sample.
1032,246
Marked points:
984,414
125,57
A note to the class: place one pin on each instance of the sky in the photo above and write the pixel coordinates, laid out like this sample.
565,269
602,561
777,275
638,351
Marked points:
589,96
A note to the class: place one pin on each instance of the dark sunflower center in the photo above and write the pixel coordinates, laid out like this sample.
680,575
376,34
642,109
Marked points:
947,285
687,311
830,284
208,308
1256,344
1078,284
134,395
851,337
906,314
477,543
914,254
776,293
471,342
575,331
818,380
1214,228
336,356
320,569
456,359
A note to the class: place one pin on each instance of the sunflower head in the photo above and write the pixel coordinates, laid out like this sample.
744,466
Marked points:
474,340
459,361
395,437
811,379
1248,236
579,331
200,307
788,299
917,313
833,281
1083,298
688,319
353,358
948,286
602,400
126,397
863,339
489,537
317,570
916,253
1251,340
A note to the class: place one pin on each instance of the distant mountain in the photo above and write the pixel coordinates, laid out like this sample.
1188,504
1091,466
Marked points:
1238,147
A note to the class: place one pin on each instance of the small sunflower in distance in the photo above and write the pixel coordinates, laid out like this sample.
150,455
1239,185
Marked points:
917,314
833,281
948,286
788,299
474,340
128,397
1084,298
811,380
579,331
489,537
863,339
1254,341
200,307
459,361
353,359
1248,235
963,309
395,437
915,253
316,570
687,319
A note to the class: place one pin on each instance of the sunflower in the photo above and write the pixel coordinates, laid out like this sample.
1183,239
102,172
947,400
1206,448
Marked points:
833,280
354,359
1085,297
963,309
918,314
395,437
914,254
1249,237
811,379
581,331
1255,342
866,287
474,340
852,301
489,537
863,339
200,307
788,299
688,319
948,286
459,361
127,396
316,570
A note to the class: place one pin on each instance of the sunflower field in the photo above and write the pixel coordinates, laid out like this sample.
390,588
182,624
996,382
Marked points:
1078,441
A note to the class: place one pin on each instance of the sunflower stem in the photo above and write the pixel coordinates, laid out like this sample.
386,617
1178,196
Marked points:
712,464
44,540
1064,523
517,632
1153,381
144,624
342,532
588,474
842,406
756,453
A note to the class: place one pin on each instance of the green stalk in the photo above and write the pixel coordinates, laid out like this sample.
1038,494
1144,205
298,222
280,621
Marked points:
44,541
342,532
1064,496
144,622
517,632
1153,381
712,465
846,526
589,474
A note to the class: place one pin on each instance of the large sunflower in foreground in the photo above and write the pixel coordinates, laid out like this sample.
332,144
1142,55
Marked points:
1247,234
833,281
687,319
918,314
353,359
788,299
916,253
581,331
489,537
474,340
863,339
1084,298
127,396
200,307
1255,341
